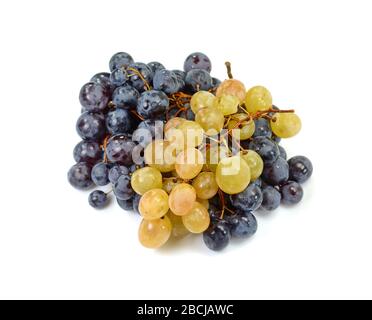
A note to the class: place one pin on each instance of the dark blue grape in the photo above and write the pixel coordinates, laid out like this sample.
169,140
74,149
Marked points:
98,199
242,225
88,151
116,171
122,188
166,81
291,192
91,126
283,153
181,75
152,104
156,127
79,175
142,136
125,204
94,97
276,173
118,121
119,77
135,80
197,60
103,78
267,149
215,82
100,174
214,212
300,169
136,200
257,182
248,200
276,139
119,149
262,128
217,236
125,97
198,79
120,60
271,198
155,66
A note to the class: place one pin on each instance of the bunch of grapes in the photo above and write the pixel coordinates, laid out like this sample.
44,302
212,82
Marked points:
190,154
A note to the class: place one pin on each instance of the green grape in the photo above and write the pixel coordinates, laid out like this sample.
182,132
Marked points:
205,185
211,120
232,87
197,220
155,233
154,204
286,125
145,179
182,199
258,99
233,175
227,104
169,184
159,154
189,163
202,99
254,161
192,132
179,231
173,123
203,202
242,128
214,156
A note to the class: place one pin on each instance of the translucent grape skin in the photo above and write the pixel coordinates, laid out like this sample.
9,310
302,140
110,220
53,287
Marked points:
267,149
291,192
126,205
232,87
122,188
271,198
227,104
145,179
197,60
100,174
205,185
98,199
300,169
189,163
258,99
79,175
197,220
154,204
248,200
159,155
217,236
192,133
202,99
155,233
243,127
276,173
242,224
214,156
88,151
254,162
169,184
90,126
178,229
182,199
119,149
285,125
94,97
211,120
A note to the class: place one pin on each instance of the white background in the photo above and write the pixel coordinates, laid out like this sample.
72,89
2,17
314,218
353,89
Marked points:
314,56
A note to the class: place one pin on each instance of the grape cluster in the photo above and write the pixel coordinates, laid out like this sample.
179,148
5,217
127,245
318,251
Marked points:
190,154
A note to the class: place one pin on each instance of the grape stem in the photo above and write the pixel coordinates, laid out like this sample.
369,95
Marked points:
139,74
137,115
104,146
228,68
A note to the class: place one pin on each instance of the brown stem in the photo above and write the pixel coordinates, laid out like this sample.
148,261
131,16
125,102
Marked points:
137,115
228,68
139,74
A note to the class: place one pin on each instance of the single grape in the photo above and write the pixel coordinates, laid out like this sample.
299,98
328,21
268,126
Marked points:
152,104
154,204
137,81
283,153
166,81
211,120
189,163
119,149
155,66
300,169
214,155
126,205
94,97
120,60
155,126
119,77
242,127
242,225
118,121
181,75
202,99
198,79
254,162
197,60
233,175
291,192
122,188
227,104
217,236
192,134
88,151
182,199
197,220
262,128
258,99
248,200
100,174
155,233
116,171
125,97
79,175
98,199
276,173
267,149
146,179
270,198
286,125
160,155
232,87
90,126
205,185
103,78
173,123
179,230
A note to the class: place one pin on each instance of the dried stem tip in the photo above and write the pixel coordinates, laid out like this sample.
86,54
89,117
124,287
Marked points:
228,67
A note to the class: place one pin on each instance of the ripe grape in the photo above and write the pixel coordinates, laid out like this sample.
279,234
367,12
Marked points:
166,81
182,199
145,179
90,126
119,77
100,174
122,188
270,198
198,79
300,169
152,104
155,66
203,202
217,236
118,121
211,120
286,125
169,184
154,204
197,220
173,123
189,163
227,104
282,152
258,99
116,171
94,97
232,87
202,99
98,199
276,173
120,60
262,128
205,185
197,60
135,80
119,149
242,127
233,175
88,151
214,156
242,225
103,78
125,97
291,192
254,162
248,200
267,149
155,233
79,175
178,228
192,133
160,155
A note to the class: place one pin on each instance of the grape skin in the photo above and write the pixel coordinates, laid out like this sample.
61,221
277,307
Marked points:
205,185
145,179
154,204
153,234
197,220
300,169
79,175
182,199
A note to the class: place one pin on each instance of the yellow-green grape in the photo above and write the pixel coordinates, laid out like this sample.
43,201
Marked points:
258,99
173,123
227,104
202,99
254,162
205,185
233,175
178,229
145,179
189,163
204,202
182,199
192,133
154,204
211,120
232,87
169,184
286,125
242,127
214,156
155,233
197,220
160,155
